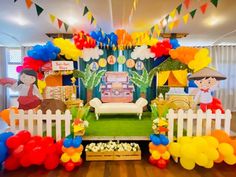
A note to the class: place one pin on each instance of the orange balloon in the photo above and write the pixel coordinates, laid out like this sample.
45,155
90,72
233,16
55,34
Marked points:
70,151
5,114
220,159
80,148
233,144
160,148
221,136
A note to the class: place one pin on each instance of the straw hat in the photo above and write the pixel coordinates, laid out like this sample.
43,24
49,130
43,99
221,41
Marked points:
206,72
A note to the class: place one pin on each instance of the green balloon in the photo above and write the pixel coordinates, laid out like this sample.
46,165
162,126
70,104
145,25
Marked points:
121,59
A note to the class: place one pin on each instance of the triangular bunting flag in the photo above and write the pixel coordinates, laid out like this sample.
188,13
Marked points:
167,17
38,9
94,23
204,7
179,8
171,25
186,3
158,32
92,19
66,27
59,22
152,29
164,29
185,18
52,18
85,10
172,13
28,3
176,23
214,2
193,12
89,16
161,22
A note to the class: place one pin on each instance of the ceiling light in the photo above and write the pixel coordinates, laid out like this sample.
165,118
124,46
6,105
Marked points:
213,21
71,21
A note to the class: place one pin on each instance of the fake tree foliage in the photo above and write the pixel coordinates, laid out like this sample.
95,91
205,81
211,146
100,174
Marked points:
142,81
81,112
90,79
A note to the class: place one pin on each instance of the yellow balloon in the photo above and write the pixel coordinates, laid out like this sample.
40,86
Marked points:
200,143
188,151
187,163
230,160
210,164
165,155
201,159
65,157
174,149
225,149
75,157
212,141
184,140
212,153
41,85
156,155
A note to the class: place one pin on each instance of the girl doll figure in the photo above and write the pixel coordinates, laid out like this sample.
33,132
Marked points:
207,81
27,87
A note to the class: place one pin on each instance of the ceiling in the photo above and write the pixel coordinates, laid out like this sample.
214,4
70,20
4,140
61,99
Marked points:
22,27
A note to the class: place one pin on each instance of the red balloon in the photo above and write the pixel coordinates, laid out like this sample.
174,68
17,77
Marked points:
30,145
152,161
69,166
47,141
13,142
52,149
51,162
24,161
161,163
59,147
24,136
18,152
37,155
11,163
79,163
37,138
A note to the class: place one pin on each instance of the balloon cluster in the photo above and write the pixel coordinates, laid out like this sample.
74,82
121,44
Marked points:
201,60
5,115
158,149
183,54
72,150
44,52
226,148
161,48
124,38
104,39
142,38
26,150
195,150
68,49
3,148
33,64
83,40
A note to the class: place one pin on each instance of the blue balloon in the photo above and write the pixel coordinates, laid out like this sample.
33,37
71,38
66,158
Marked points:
2,158
174,43
68,142
164,139
4,136
77,141
45,52
155,139
3,148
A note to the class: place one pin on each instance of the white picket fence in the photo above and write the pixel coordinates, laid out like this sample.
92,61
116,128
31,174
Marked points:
197,124
38,123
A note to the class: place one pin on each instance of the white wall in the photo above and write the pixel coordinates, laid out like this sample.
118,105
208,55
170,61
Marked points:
2,74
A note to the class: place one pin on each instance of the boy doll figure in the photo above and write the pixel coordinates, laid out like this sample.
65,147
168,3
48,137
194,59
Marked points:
207,81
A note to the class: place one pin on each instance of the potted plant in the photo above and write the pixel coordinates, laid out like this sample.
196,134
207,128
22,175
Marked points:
90,79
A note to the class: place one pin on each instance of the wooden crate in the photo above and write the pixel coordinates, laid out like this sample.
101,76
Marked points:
115,155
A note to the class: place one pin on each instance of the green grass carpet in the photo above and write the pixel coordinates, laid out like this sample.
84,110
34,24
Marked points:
119,125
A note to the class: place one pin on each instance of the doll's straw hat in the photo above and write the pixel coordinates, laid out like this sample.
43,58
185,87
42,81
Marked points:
205,73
